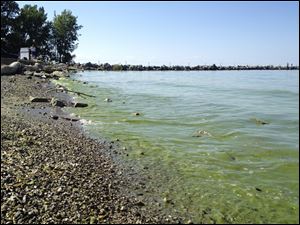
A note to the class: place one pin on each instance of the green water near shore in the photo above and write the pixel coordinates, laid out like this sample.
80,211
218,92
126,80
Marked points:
240,171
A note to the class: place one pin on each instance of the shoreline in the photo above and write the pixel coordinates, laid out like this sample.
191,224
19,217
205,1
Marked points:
52,172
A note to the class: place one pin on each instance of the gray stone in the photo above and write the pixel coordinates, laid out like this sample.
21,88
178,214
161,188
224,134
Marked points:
58,73
11,69
28,73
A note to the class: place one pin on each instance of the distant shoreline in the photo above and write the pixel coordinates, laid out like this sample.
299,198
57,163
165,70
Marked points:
121,67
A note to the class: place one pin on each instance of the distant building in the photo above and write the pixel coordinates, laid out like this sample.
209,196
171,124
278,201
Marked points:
28,53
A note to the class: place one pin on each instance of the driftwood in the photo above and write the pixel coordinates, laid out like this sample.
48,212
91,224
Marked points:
62,88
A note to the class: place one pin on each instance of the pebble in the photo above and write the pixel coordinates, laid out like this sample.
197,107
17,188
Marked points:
55,117
64,174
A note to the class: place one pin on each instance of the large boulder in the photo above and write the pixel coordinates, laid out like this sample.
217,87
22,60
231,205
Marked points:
13,68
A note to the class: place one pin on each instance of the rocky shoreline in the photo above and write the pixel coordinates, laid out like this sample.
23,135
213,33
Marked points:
52,173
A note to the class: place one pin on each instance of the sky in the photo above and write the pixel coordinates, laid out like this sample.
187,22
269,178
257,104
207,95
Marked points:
184,33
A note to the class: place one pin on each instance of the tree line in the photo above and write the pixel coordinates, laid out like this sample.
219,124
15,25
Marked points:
213,67
28,27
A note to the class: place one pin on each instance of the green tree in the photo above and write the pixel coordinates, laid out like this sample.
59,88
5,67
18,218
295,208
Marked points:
9,13
35,29
65,31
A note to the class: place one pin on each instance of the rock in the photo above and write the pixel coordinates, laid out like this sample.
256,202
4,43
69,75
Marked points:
30,68
11,69
261,122
58,73
80,104
42,75
37,99
28,73
140,203
38,65
71,119
189,222
166,200
201,133
56,102
92,220
55,117
136,113
49,69
72,68
258,189
107,100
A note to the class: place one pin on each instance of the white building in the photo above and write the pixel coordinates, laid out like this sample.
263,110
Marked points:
27,53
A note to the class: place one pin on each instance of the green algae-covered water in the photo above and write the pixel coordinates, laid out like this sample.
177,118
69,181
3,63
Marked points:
200,135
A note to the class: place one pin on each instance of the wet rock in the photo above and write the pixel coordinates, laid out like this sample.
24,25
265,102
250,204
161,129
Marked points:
107,100
201,133
71,119
258,189
56,102
80,104
260,122
38,99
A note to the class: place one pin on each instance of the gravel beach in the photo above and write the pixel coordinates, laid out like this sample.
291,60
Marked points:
51,172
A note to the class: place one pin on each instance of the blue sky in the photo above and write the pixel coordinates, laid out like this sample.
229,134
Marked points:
185,33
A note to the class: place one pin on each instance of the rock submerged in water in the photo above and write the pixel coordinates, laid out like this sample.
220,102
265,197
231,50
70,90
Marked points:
107,100
201,133
260,122
80,104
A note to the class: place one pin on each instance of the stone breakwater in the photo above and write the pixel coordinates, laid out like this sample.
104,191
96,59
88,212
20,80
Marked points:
52,173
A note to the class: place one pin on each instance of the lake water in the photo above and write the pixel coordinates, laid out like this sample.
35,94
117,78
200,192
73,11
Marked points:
236,170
